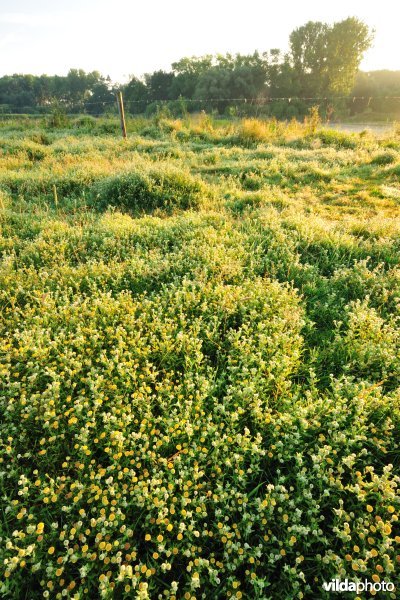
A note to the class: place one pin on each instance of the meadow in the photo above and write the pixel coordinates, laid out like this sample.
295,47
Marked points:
199,359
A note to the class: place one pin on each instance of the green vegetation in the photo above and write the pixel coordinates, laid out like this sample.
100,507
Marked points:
320,67
199,359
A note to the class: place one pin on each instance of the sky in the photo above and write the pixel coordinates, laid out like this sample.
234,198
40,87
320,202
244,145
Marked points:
120,38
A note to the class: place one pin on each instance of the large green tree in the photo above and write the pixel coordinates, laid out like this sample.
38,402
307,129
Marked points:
159,85
187,72
136,95
326,58
233,77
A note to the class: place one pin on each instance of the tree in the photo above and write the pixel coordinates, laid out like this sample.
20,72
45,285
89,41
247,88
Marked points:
377,91
308,45
136,96
17,92
281,76
347,42
187,73
44,90
233,78
78,87
326,58
323,61
100,97
159,85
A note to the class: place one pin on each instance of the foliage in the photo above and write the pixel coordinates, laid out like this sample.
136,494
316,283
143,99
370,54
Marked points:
313,120
135,96
58,118
202,401
74,92
326,58
323,60
148,189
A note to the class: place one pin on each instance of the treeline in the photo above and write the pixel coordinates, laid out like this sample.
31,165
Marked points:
77,92
376,91
321,67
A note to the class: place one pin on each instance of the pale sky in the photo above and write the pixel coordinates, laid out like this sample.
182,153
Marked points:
123,37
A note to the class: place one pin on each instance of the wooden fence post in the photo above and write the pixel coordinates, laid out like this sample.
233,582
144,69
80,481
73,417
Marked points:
55,196
121,113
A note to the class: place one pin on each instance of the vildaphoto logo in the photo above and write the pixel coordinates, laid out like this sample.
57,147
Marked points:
345,585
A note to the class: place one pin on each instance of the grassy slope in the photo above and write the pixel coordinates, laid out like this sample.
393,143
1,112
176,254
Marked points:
199,344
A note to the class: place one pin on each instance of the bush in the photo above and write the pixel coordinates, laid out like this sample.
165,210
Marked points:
384,158
108,127
40,137
35,151
371,345
58,119
254,130
147,189
86,122
72,183
338,139
312,121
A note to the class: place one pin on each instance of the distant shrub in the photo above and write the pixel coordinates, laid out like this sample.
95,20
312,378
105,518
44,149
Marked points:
74,183
148,189
252,181
108,127
283,110
40,138
384,158
258,130
170,125
58,119
395,170
312,121
86,122
205,122
338,139
35,151
254,130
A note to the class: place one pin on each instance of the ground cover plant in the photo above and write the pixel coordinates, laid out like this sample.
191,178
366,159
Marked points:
199,359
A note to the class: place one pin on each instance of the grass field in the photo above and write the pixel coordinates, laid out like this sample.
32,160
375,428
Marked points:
199,359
